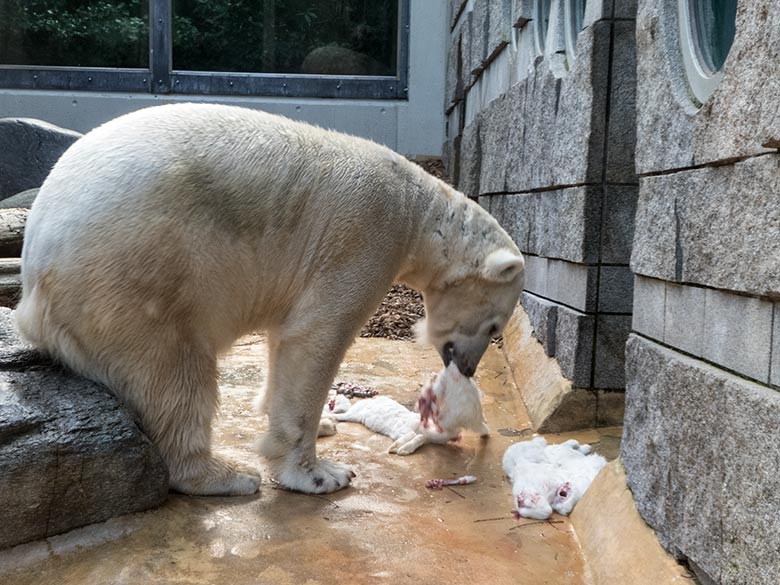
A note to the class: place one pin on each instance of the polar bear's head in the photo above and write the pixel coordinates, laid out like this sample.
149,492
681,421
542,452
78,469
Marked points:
463,316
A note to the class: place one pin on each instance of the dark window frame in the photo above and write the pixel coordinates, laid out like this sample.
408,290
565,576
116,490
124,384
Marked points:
161,78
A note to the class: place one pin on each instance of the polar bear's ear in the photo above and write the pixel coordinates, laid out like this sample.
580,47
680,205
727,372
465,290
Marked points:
502,265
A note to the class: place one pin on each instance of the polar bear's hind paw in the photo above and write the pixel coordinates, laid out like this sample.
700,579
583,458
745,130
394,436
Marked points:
215,477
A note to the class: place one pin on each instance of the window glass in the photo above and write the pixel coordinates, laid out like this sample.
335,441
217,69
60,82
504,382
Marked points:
541,22
579,14
715,25
75,33
574,12
324,37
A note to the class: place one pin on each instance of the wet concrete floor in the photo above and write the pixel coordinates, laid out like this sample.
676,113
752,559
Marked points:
385,528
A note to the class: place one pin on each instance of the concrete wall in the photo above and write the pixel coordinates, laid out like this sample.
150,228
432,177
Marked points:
700,439
414,127
545,142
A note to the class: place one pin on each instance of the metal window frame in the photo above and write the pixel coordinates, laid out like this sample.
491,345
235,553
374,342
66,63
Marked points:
161,78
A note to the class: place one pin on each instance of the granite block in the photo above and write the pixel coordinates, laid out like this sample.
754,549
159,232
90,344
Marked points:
775,373
738,333
649,307
574,345
712,226
611,334
621,139
711,496
616,289
543,316
618,223
684,318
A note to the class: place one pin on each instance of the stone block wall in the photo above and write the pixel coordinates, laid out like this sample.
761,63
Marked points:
700,440
545,141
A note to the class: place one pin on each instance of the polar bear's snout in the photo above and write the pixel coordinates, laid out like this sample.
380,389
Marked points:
466,357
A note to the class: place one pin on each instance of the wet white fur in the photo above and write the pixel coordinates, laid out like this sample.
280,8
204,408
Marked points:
461,409
549,477
162,236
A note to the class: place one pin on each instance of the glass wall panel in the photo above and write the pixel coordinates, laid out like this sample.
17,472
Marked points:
715,25
323,37
75,33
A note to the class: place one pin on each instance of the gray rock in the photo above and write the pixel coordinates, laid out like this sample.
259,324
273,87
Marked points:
470,160
621,140
654,251
456,8
480,29
623,8
70,454
572,284
466,42
775,374
738,333
664,109
563,282
560,224
737,121
690,227
711,496
611,335
557,124
574,345
28,150
616,289
12,225
543,316
683,323
649,307
499,26
23,200
617,231
493,132
518,218
743,113
522,12
453,83
451,159
10,281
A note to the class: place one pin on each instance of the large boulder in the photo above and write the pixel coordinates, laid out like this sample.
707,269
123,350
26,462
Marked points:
70,453
23,200
28,150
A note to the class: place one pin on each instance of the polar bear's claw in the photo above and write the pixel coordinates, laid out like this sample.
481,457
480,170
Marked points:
321,478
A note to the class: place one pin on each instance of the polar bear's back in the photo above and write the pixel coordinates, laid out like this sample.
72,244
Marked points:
201,150
224,214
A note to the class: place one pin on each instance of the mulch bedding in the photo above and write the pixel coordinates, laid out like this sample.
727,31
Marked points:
402,307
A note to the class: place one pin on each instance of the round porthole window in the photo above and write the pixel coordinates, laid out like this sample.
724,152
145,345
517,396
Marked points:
707,29
541,23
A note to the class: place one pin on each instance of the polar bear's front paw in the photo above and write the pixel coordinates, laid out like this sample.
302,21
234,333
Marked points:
320,478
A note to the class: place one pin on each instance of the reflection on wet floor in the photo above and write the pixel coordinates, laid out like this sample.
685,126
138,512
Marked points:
387,527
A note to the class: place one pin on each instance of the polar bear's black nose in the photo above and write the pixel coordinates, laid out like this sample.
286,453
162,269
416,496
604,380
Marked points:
448,353
467,370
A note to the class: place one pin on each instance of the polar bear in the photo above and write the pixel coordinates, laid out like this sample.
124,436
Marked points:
162,236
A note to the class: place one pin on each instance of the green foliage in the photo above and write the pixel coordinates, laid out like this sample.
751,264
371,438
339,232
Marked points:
274,36
96,33
209,35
